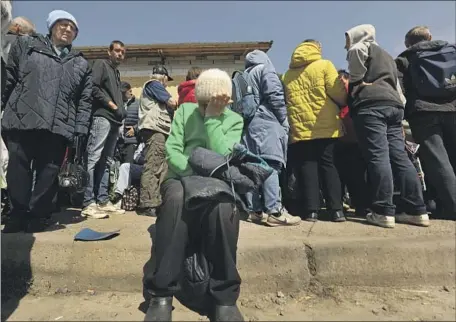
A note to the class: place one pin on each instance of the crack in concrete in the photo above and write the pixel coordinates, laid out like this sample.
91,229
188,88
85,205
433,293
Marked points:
310,230
311,261
315,286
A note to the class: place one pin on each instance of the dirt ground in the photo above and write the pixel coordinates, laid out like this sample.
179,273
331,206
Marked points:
347,304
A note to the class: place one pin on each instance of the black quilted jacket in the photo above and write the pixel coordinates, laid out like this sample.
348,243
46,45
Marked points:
45,92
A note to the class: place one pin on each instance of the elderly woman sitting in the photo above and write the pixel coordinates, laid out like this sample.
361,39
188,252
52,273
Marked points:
210,125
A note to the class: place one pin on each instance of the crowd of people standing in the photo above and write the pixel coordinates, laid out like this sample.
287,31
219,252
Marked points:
324,137
315,128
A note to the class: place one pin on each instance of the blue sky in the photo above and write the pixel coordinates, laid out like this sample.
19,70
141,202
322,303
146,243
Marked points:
286,23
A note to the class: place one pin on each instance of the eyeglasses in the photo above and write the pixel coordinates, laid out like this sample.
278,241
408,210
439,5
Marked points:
63,25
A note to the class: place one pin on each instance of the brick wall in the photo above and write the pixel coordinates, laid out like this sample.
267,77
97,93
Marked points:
136,71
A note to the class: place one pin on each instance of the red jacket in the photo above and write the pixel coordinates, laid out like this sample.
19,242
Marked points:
350,135
186,92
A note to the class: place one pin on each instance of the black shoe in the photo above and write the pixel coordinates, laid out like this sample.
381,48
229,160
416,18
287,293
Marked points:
159,309
227,313
116,198
313,217
15,225
361,212
150,212
338,216
38,225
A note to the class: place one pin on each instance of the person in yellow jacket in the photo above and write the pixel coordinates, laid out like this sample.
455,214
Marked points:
314,95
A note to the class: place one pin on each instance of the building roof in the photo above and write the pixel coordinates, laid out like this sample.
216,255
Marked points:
181,49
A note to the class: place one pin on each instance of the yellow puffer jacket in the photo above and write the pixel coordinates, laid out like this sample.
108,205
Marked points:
312,88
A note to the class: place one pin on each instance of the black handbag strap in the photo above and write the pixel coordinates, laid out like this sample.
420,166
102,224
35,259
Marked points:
78,155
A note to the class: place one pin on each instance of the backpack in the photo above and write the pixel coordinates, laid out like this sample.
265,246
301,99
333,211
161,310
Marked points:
130,198
433,72
243,98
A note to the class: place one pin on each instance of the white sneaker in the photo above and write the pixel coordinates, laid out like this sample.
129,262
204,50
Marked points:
285,219
92,211
118,205
109,207
420,220
258,218
381,220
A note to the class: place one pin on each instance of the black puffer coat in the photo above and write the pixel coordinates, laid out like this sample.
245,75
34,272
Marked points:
45,92
223,178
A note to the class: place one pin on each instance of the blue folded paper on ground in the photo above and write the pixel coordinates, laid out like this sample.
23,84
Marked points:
88,234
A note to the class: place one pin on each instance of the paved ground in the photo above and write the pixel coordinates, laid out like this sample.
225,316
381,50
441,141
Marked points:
49,276
337,304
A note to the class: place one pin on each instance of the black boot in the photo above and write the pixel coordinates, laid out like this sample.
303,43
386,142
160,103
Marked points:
361,212
338,216
313,216
38,224
16,223
159,309
227,313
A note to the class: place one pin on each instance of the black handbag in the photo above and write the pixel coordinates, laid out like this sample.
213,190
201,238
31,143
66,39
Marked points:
73,175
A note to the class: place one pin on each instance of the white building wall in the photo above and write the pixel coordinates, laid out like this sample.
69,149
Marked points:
142,67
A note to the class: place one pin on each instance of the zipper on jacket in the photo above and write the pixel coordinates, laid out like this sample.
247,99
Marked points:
59,60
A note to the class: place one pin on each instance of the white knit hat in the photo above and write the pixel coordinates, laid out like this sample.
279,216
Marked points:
210,82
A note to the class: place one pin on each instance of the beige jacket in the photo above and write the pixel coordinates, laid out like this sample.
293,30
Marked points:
152,114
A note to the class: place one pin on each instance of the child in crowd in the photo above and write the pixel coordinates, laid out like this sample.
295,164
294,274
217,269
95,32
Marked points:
349,160
186,90
129,174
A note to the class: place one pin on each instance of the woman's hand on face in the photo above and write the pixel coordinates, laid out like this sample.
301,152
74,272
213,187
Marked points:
217,104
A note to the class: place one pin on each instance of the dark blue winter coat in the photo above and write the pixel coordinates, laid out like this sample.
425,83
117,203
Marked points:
44,91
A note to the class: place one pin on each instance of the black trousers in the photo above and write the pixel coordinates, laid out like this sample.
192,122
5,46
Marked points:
176,228
436,134
46,150
127,152
313,163
353,173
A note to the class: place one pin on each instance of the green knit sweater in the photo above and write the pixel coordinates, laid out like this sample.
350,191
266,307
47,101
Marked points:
190,130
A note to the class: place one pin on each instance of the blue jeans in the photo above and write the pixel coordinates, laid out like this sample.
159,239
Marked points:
101,146
268,198
379,131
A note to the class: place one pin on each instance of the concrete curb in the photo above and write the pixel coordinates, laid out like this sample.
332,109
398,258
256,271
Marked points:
384,263
110,266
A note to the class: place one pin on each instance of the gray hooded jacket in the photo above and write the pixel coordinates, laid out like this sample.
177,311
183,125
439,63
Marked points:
267,133
369,63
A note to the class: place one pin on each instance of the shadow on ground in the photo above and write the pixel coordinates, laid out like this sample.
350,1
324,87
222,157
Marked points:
17,275
148,267
66,217
16,271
